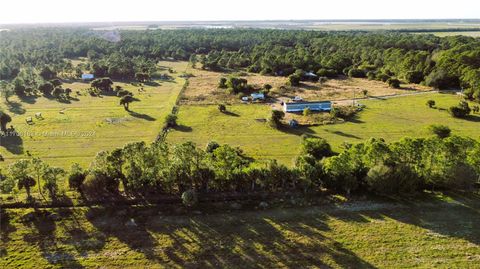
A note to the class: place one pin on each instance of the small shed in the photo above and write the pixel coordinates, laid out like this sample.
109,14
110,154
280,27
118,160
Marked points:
310,76
88,76
258,96
293,123
313,106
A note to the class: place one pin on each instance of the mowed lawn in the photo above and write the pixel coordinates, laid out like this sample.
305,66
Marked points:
88,124
434,232
390,119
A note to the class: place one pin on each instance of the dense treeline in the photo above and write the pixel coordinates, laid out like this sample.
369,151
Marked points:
439,62
403,167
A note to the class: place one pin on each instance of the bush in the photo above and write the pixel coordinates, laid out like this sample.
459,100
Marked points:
440,131
171,120
356,73
461,176
383,77
371,75
222,84
76,177
306,112
329,73
431,103
189,198
414,76
316,147
343,112
394,83
98,185
385,179
222,108
294,80
276,118
211,146
460,111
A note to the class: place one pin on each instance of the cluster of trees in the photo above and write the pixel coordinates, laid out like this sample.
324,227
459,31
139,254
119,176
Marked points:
441,62
26,174
402,167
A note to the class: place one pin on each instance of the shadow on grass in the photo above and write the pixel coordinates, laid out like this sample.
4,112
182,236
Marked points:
230,113
182,128
340,133
12,143
43,233
299,130
15,107
141,116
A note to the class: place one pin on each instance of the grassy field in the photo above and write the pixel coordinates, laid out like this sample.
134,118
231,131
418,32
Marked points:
435,231
203,88
388,118
88,124
442,34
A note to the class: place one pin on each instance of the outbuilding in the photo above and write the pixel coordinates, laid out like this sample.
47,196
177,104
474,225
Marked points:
87,77
257,96
313,106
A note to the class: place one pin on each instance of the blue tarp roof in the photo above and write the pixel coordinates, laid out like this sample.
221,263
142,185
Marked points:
87,76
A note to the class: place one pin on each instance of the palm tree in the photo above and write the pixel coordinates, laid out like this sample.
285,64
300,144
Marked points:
126,100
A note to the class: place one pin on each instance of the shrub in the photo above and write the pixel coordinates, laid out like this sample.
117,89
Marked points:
189,198
356,73
306,112
76,177
385,179
394,83
460,111
343,112
222,108
171,120
293,80
439,130
275,119
316,147
98,185
371,75
329,73
222,84
211,146
383,77
414,76
461,176
431,103
476,109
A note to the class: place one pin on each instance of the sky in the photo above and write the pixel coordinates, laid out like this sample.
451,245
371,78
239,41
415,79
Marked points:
54,11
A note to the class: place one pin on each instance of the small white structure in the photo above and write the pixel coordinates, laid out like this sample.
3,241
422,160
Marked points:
38,115
297,99
257,96
245,99
87,77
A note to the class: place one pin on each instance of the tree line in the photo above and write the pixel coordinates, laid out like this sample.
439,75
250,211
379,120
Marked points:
138,169
441,62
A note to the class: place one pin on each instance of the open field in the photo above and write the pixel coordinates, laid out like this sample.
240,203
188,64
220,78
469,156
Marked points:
442,34
203,88
388,118
432,231
88,124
